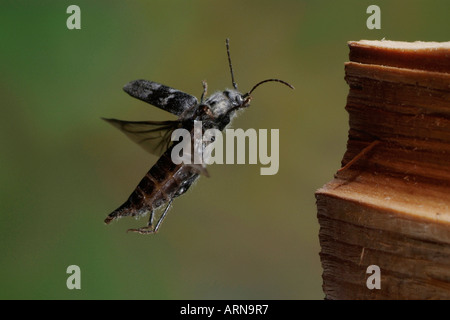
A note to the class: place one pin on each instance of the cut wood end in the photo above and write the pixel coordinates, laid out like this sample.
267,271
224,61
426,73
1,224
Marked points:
408,199
401,45
419,55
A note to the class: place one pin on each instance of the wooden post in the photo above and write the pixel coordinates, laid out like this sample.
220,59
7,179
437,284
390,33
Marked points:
389,204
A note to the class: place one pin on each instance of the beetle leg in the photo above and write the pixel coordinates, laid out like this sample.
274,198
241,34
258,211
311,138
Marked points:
149,228
205,89
163,215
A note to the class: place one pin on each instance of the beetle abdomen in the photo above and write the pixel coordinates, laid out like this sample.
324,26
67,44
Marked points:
163,182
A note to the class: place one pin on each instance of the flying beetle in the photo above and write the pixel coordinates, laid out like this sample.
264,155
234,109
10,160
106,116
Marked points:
166,180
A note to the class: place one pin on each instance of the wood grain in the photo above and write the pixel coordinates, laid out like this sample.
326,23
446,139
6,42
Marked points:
390,203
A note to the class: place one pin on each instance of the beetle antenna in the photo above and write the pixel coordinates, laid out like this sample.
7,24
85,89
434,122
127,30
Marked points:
268,80
229,63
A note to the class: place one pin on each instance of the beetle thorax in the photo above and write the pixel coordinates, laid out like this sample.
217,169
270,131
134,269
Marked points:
222,107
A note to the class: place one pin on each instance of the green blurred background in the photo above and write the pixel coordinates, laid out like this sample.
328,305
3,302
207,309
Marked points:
236,235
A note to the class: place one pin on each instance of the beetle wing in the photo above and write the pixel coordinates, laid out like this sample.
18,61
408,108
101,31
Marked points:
161,96
153,136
